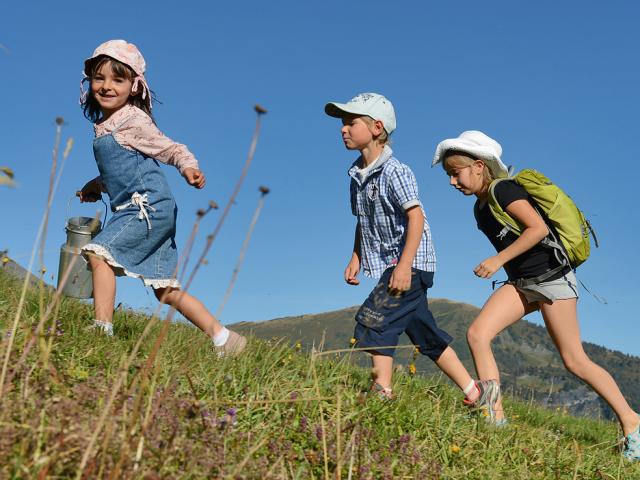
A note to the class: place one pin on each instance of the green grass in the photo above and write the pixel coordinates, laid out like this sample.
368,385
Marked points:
274,412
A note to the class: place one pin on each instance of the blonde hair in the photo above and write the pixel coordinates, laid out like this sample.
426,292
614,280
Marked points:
465,160
383,138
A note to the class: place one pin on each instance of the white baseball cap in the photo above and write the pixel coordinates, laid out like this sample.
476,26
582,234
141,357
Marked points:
478,145
372,105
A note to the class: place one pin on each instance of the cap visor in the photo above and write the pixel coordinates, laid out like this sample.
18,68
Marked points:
339,110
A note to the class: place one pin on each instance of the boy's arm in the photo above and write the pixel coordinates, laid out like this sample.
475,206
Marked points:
353,268
401,276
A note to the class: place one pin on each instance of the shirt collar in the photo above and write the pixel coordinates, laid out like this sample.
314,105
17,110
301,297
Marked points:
361,174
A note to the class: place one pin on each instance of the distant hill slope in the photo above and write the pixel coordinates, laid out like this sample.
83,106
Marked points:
530,366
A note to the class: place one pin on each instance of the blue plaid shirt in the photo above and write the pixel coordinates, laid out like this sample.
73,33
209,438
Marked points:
380,201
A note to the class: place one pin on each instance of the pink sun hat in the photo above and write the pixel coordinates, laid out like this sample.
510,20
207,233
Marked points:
123,52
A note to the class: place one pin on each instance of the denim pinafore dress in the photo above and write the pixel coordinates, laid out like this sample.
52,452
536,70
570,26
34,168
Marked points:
139,238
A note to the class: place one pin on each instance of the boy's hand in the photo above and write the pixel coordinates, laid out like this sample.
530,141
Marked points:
194,177
400,279
91,192
351,272
488,267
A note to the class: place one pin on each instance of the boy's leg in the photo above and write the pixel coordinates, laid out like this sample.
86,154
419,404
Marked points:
104,289
561,320
379,324
382,370
453,368
434,342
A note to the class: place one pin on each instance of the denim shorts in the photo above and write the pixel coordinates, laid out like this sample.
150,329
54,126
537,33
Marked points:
383,317
561,288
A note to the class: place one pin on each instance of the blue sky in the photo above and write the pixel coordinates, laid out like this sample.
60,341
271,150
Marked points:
555,82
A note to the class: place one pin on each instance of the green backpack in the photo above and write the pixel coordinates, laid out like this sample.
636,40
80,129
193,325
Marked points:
559,211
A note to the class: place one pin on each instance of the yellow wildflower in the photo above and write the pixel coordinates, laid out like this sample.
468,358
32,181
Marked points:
455,449
412,368
352,341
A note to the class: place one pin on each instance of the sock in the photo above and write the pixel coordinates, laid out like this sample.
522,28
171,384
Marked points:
221,337
106,327
469,388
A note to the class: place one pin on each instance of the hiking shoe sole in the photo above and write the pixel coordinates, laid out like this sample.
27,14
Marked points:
631,448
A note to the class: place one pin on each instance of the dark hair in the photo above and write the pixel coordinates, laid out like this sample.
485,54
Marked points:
91,108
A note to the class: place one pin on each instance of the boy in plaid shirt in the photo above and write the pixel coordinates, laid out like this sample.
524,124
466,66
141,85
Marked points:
393,242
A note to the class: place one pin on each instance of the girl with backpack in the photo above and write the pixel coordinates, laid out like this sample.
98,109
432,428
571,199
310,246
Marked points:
473,162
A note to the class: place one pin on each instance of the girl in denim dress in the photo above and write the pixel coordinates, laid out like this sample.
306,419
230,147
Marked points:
139,239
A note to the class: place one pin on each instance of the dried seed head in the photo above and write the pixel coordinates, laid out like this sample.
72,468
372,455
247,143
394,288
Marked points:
59,121
260,110
7,171
264,190
213,204
201,212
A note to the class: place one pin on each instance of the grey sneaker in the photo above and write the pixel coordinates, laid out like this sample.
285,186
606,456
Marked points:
631,448
234,346
489,393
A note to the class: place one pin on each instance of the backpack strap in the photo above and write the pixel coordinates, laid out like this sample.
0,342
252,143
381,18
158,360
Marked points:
509,223
527,282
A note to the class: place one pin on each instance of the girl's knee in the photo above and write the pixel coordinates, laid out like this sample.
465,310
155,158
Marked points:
477,336
578,364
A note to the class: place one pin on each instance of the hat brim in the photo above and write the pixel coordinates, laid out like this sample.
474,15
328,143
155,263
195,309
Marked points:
88,61
498,169
339,110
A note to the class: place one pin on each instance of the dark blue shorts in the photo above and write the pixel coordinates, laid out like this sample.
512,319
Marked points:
383,317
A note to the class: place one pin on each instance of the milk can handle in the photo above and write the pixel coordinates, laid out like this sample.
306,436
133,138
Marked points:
106,209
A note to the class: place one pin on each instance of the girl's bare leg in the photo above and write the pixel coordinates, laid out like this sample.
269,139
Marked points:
104,289
561,320
191,308
505,307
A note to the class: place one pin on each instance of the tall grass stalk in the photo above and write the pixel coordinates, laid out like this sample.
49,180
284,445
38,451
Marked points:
210,238
263,193
40,235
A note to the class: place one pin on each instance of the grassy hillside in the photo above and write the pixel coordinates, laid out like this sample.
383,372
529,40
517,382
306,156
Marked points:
530,365
76,404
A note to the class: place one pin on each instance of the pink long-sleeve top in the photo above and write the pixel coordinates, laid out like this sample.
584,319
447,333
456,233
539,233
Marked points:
134,130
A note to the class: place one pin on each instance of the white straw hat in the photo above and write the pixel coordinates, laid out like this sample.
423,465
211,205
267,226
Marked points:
478,145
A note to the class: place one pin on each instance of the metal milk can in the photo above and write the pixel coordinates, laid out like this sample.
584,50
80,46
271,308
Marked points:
80,231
